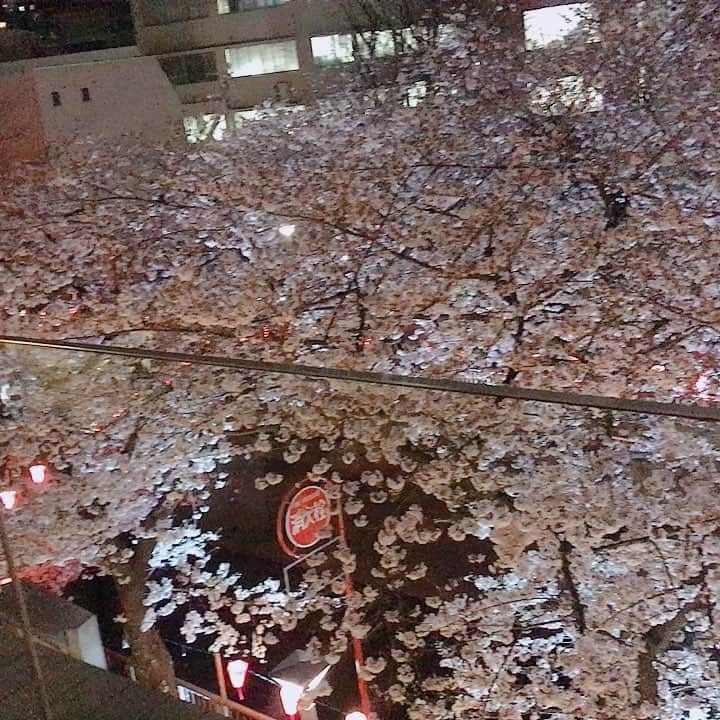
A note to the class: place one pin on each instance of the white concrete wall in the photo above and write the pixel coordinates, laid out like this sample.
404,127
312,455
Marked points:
84,643
128,96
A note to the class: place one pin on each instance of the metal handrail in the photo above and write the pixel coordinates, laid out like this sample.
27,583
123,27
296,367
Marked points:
215,701
212,700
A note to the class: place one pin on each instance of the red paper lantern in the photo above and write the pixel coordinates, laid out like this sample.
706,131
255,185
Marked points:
238,670
38,474
290,694
8,498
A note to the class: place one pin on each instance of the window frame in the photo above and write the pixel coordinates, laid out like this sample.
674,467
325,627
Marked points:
290,42
271,4
589,35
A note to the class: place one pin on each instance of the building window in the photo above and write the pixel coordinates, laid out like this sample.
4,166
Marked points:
560,24
186,69
205,127
85,94
242,117
56,101
229,6
566,95
332,49
416,93
262,59
382,43
163,12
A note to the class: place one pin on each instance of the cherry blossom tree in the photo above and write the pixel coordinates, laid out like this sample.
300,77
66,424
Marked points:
546,216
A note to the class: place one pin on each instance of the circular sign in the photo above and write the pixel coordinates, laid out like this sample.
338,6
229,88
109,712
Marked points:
306,516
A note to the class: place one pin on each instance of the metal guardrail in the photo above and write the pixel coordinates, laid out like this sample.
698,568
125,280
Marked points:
192,694
187,692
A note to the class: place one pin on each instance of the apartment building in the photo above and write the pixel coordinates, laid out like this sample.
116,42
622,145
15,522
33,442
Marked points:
225,57
105,94
207,63
204,65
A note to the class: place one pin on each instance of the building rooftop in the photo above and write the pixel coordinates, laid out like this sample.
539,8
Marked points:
78,691
49,614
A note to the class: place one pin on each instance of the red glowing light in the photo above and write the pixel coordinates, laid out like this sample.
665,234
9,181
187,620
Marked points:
8,498
38,474
237,670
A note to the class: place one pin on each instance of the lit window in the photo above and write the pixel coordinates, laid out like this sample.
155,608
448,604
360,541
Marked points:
331,49
567,94
416,93
262,59
205,127
559,24
448,36
228,6
376,44
244,116
3,25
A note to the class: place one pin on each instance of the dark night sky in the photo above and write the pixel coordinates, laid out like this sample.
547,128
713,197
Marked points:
49,27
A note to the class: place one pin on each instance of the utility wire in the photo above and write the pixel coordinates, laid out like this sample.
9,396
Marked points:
645,407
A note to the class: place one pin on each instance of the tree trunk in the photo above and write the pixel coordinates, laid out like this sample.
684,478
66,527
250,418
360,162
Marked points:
149,656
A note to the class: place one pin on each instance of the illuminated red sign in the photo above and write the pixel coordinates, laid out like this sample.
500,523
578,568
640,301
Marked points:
306,516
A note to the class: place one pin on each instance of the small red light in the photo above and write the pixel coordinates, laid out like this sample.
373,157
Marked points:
38,474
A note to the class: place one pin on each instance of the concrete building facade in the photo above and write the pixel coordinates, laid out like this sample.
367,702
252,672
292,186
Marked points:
195,60
232,55
201,64
105,94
